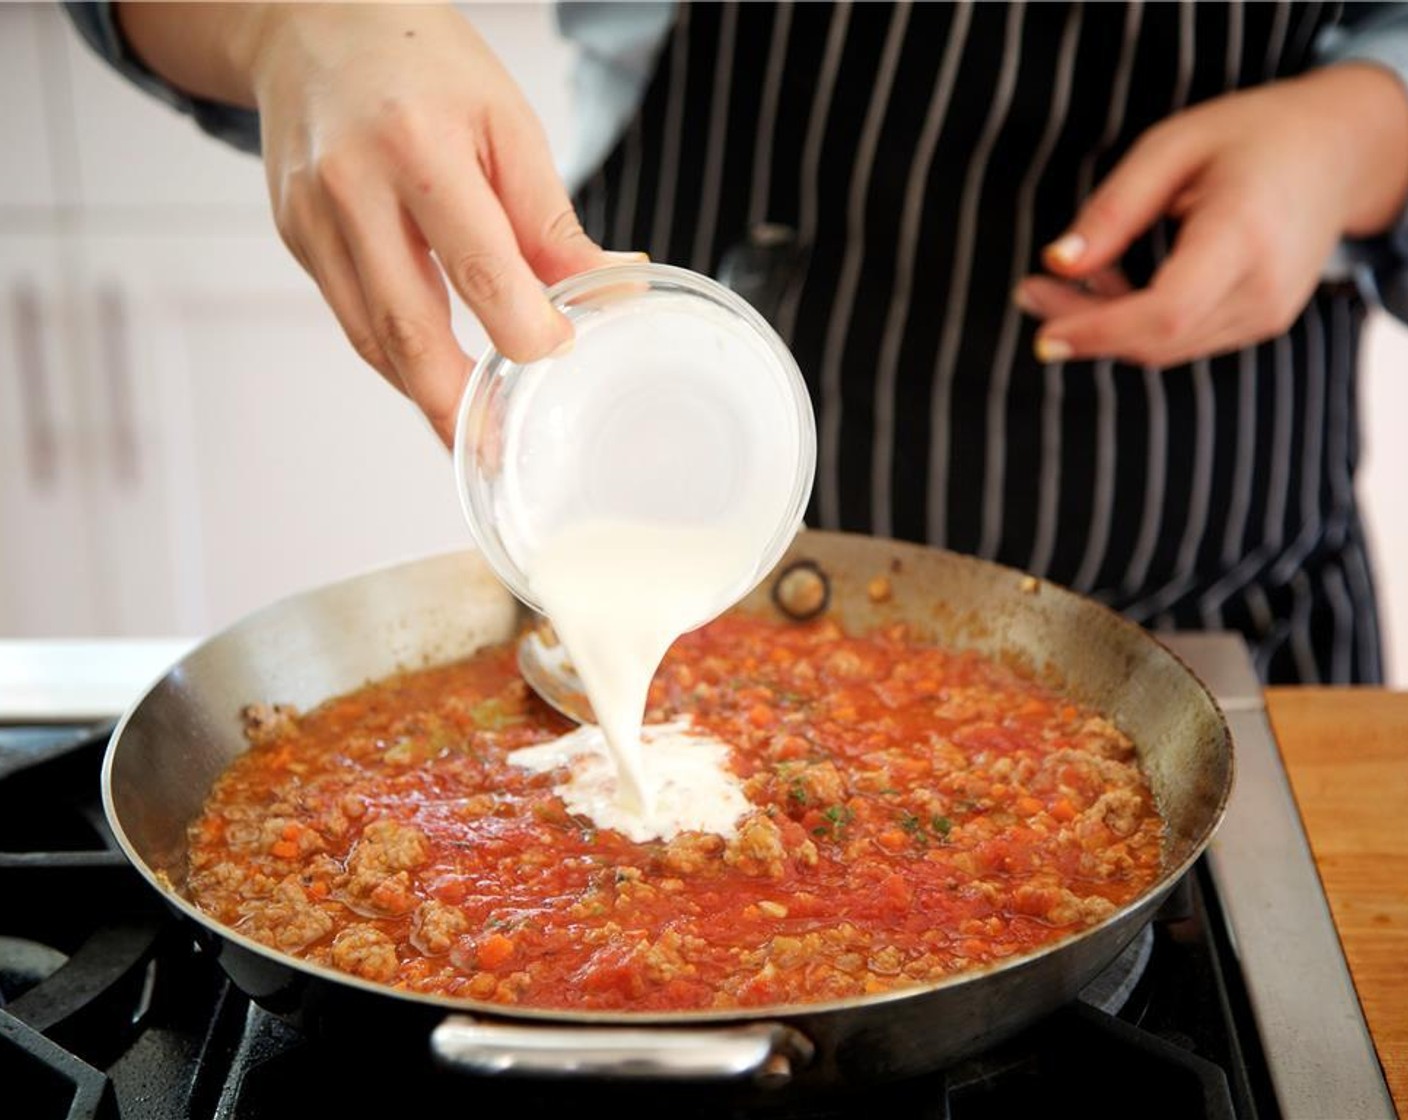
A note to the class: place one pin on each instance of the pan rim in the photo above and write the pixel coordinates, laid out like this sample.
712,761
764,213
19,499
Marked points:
487,1010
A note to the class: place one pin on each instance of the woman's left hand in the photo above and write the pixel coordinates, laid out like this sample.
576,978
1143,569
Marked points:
1263,184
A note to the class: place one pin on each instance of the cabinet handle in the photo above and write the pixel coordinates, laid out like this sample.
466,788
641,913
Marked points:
114,339
40,436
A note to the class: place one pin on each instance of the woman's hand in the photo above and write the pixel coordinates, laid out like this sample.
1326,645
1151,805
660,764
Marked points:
1263,184
397,149
398,152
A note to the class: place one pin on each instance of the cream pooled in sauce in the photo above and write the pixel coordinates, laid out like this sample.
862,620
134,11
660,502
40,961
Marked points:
686,774
619,593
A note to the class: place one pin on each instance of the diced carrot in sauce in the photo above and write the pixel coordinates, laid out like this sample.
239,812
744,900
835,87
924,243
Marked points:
894,840
1063,810
495,950
909,769
760,715
897,891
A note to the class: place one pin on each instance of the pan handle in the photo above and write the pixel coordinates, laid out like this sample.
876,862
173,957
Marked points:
766,1053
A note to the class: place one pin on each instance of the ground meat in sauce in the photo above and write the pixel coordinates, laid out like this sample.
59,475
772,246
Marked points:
263,723
916,812
365,951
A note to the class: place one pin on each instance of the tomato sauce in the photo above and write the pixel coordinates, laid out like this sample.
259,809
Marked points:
915,813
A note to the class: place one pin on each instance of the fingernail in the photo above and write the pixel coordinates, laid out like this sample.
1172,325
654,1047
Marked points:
627,257
1067,249
1052,350
1022,301
564,347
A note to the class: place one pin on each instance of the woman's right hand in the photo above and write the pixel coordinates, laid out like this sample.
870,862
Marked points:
399,152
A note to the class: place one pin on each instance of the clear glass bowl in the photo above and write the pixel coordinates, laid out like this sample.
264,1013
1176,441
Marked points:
677,404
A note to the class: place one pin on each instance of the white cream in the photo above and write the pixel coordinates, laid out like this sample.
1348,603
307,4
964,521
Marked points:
619,593
646,474
692,788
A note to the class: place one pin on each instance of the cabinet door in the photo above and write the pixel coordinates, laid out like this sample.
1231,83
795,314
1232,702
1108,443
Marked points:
267,457
34,133
47,551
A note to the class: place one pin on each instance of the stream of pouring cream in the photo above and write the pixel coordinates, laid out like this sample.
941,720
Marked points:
619,593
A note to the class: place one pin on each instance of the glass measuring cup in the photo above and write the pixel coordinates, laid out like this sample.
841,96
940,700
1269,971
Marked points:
678,406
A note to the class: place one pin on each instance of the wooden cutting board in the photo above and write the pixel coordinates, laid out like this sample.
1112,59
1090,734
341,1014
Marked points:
1346,751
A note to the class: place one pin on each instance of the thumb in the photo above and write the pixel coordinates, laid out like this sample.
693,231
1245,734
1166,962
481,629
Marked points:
1132,197
556,246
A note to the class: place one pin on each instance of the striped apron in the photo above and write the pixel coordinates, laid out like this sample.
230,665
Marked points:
922,154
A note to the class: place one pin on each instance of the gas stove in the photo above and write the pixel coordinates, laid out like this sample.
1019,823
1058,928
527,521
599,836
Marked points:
1235,1001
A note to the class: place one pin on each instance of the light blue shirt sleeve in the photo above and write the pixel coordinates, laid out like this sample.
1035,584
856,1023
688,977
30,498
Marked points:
1377,34
98,27
616,41
617,44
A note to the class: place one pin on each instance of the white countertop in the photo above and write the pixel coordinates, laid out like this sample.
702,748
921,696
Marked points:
80,679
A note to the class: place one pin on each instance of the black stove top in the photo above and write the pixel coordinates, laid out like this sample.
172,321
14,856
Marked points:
108,1007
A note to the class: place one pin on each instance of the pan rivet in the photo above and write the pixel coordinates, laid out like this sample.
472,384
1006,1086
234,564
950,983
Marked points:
802,591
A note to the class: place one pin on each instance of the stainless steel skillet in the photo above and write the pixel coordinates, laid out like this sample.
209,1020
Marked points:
171,745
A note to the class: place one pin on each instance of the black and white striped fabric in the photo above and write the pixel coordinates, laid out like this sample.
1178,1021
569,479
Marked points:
924,153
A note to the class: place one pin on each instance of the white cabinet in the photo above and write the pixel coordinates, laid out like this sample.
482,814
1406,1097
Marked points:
1383,481
31,124
185,435
265,457
46,549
